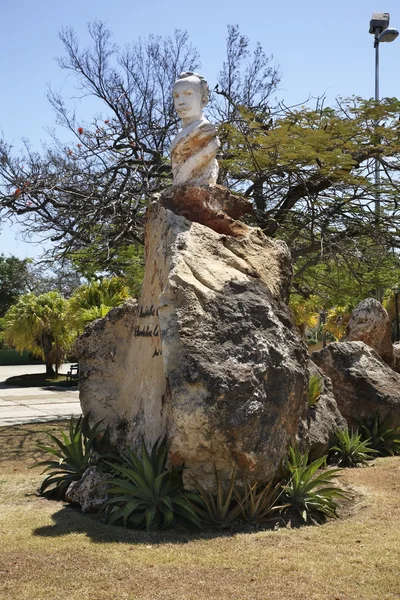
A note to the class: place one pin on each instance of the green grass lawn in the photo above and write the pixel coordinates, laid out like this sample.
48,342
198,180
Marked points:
50,551
38,380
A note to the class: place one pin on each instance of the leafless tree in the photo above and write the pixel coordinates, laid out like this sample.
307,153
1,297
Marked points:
90,195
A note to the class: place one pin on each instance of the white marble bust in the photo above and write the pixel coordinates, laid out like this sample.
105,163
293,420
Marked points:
194,149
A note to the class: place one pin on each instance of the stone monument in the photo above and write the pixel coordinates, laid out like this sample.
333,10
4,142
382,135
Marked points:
208,355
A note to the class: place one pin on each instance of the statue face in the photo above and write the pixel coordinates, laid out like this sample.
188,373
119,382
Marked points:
187,99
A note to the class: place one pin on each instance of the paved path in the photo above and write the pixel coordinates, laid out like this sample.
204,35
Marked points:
35,404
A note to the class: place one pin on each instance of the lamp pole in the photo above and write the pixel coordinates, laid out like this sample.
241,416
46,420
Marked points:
377,167
379,27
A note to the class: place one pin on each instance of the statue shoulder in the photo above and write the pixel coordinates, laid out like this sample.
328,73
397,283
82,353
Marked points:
202,126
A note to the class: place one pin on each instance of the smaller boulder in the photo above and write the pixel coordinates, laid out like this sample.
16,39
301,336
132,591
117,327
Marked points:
89,492
370,323
363,385
396,356
318,430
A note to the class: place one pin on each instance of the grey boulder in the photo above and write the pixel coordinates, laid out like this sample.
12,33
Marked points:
363,384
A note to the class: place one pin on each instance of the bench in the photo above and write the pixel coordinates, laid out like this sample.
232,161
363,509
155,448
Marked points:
73,374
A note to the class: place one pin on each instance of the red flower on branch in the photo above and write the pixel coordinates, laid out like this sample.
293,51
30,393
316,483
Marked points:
80,130
79,145
106,122
17,192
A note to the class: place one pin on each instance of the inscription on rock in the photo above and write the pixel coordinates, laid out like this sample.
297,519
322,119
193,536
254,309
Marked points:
147,312
150,330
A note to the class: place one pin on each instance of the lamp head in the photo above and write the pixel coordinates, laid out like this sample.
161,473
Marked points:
388,35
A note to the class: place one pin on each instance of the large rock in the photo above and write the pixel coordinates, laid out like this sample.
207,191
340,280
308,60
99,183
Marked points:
209,356
370,323
318,431
362,383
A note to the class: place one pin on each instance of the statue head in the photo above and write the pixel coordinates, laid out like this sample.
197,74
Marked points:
190,93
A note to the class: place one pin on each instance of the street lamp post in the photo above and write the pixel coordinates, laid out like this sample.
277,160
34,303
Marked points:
379,27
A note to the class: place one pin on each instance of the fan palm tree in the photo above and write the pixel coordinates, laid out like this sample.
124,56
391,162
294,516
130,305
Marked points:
94,300
39,324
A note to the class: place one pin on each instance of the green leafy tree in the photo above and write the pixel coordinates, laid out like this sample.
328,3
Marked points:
310,173
14,277
39,324
346,279
132,267
94,300
126,263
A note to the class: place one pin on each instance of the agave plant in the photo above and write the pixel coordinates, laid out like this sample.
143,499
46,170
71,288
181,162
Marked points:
385,440
309,496
220,509
314,390
145,494
350,450
258,502
240,502
82,446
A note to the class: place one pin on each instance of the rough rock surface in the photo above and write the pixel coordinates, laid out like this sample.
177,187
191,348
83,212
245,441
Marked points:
212,359
102,351
396,356
370,323
214,206
362,383
317,431
89,492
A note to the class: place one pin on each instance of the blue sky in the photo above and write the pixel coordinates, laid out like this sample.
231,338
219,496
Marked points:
321,47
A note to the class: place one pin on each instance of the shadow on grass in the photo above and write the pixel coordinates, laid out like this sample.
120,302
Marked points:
18,442
70,520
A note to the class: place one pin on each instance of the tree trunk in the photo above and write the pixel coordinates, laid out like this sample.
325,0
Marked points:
46,343
49,368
